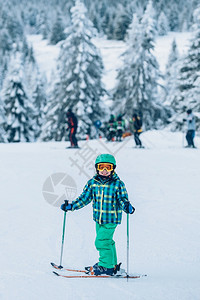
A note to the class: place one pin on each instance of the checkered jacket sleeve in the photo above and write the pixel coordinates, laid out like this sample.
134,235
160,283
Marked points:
84,199
122,195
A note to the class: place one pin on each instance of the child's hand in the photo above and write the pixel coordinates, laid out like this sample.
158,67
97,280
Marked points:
128,208
65,206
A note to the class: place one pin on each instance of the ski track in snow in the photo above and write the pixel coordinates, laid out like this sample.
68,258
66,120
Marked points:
163,185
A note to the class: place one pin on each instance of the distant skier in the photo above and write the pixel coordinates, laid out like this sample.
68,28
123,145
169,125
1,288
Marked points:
72,127
191,127
109,197
136,129
120,127
111,128
97,125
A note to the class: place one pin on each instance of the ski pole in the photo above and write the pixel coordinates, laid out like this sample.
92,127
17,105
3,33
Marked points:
127,246
63,236
183,138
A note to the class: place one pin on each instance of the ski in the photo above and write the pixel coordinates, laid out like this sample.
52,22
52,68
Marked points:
142,147
70,147
66,269
88,270
99,276
90,274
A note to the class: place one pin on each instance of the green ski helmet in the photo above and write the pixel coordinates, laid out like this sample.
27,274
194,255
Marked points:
105,158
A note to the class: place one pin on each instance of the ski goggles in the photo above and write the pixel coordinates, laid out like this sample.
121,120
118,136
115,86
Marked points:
107,166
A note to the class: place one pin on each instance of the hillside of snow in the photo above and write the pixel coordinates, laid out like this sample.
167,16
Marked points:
163,185
111,51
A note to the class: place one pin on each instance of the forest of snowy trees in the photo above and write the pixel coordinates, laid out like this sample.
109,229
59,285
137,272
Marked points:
31,109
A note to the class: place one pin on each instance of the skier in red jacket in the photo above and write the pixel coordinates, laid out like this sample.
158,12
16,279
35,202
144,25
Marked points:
72,127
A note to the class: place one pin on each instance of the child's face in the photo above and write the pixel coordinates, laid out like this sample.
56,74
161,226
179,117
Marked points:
104,173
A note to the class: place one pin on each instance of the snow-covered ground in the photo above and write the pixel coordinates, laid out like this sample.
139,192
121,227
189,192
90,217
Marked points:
46,55
163,185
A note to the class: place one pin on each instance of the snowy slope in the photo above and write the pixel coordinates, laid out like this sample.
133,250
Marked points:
111,53
163,185
162,182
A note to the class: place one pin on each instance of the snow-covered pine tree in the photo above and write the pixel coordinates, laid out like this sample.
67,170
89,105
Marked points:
18,107
174,15
14,25
121,23
127,77
78,82
57,33
186,92
163,25
39,101
36,85
138,78
43,26
5,50
3,136
4,60
5,41
173,56
171,75
95,14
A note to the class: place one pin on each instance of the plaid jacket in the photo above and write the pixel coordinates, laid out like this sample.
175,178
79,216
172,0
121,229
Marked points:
108,199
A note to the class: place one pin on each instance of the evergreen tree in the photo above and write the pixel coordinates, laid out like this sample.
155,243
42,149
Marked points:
43,26
106,20
122,23
187,90
3,137
39,102
57,33
171,75
36,85
6,45
173,55
4,59
163,25
38,16
138,78
78,83
5,41
95,15
109,28
18,108
14,26
128,76
174,18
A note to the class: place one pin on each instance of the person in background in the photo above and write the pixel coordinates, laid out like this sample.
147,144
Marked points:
120,127
111,128
191,127
72,127
136,129
97,125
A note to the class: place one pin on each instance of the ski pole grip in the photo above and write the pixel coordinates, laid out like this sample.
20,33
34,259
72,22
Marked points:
66,202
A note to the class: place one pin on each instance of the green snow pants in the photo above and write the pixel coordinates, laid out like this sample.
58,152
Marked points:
105,245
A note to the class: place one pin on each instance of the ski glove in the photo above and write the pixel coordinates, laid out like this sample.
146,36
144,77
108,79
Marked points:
128,208
66,206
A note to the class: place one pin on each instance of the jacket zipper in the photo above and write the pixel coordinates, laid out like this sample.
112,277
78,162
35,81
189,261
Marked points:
101,208
115,212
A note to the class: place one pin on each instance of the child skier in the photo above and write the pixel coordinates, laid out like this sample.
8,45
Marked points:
109,197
